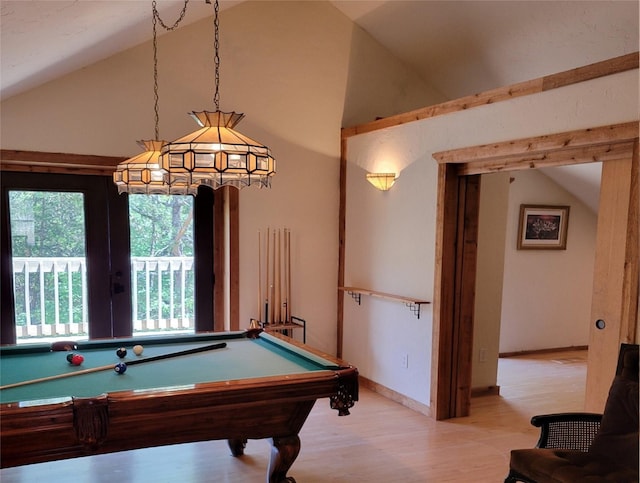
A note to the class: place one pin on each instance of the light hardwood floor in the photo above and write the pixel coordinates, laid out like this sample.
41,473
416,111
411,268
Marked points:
380,442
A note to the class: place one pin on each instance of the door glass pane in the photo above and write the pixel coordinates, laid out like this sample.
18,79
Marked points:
49,264
162,278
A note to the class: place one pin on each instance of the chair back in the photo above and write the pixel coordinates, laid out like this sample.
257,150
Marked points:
618,434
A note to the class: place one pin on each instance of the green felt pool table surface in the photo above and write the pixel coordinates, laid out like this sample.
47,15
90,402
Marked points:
257,386
241,358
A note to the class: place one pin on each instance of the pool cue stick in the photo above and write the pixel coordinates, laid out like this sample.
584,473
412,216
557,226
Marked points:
285,305
288,273
170,355
280,275
273,275
266,284
276,279
58,376
266,280
283,317
259,277
283,278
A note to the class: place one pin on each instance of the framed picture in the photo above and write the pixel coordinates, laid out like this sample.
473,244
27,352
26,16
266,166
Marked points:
543,227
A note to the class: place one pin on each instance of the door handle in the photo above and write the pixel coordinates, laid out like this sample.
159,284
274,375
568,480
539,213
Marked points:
116,286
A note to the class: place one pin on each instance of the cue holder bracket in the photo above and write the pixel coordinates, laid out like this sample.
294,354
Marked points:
413,304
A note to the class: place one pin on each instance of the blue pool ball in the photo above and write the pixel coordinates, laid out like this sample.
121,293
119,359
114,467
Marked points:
120,368
121,353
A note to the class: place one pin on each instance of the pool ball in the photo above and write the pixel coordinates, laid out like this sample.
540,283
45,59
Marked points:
137,350
120,368
70,356
121,353
77,359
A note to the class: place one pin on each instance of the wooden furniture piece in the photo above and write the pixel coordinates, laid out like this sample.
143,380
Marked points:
584,446
252,389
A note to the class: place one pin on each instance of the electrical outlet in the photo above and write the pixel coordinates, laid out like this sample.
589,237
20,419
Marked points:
405,361
482,356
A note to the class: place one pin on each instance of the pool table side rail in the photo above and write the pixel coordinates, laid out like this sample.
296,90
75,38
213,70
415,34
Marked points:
84,345
241,409
304,347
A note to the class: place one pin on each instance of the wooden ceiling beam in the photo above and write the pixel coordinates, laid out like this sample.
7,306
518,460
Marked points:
546,159
592,71
572,147
611,134
43,162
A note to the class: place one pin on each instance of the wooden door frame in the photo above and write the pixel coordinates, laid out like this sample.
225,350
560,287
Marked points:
456,240
615,276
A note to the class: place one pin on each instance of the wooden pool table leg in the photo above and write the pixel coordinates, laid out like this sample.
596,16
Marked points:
237,446
284,451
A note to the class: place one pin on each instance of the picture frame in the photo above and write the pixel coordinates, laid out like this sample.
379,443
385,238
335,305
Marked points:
543,227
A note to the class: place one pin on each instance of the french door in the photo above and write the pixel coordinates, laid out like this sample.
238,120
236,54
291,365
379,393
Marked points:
76,275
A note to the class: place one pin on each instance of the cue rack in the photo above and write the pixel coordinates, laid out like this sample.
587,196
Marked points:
274,283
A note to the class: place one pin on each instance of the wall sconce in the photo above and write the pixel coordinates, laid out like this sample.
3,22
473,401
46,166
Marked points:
382,181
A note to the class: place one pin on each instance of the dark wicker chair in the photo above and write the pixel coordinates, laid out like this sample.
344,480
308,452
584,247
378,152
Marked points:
578,447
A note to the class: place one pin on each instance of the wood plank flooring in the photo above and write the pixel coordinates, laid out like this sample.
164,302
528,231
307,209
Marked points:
380,442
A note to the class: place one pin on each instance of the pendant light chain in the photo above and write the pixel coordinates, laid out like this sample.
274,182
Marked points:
156,18
216,46
177,22
155,73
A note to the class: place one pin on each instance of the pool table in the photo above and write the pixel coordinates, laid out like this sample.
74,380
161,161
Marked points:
257,386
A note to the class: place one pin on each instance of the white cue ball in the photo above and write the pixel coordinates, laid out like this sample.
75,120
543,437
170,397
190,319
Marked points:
137,350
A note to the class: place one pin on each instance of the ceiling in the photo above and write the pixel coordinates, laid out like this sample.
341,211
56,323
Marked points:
459,47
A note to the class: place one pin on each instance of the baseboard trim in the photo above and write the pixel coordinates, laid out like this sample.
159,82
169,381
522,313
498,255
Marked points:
544,351
475,392
396,396
485,391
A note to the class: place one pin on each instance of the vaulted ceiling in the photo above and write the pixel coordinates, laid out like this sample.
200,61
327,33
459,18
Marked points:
459,47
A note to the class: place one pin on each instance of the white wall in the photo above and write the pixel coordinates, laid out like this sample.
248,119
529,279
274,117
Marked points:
546,299
390,248
291,79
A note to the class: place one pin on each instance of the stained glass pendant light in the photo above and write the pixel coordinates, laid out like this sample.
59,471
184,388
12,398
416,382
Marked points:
143,173
216,154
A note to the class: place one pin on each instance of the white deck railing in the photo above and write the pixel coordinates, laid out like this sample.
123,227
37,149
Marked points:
172,276
51,295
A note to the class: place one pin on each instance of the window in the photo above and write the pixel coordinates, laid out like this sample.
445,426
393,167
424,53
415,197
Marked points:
162,263
49,263
79,260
